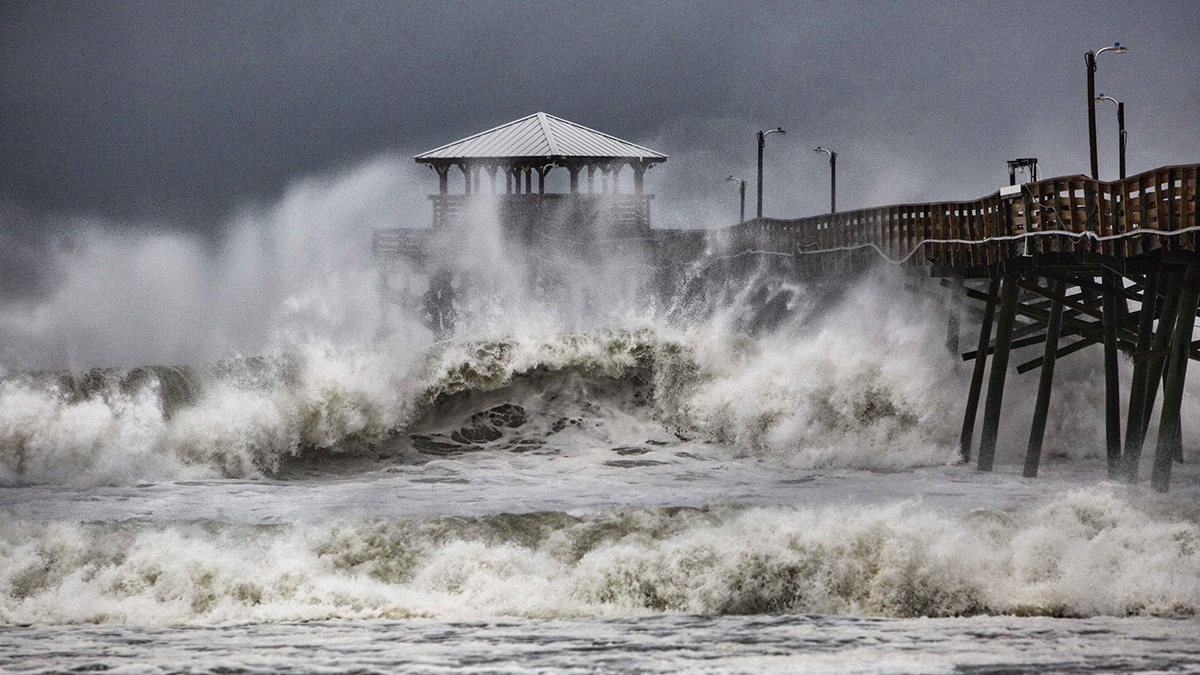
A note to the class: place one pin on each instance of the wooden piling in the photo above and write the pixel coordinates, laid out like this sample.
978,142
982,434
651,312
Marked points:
1112,383
1037,430
985,338
954,315
995,393
1170,432
1162,338
1134,429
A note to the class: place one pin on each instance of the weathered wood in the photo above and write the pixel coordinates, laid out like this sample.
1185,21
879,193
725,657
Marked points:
954,314
1134,432
1193,354
1170,431
1081,307
1086,341
1091,285
995,393
1162,338
1112,383
985,335
1041,408
1015,344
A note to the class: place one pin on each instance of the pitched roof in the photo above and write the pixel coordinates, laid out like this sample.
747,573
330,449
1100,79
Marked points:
540,136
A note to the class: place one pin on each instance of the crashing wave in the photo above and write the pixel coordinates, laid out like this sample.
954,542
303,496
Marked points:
250,417
1089,553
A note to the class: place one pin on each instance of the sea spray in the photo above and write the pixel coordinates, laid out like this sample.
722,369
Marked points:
857,386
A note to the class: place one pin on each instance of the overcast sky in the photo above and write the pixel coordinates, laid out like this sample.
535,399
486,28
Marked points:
183,112
180,181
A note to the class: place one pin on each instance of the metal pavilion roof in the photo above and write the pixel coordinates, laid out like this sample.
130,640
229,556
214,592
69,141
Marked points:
540,136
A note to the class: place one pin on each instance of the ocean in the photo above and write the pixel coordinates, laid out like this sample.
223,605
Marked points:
588,484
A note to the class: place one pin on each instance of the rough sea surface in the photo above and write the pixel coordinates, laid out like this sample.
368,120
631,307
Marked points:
752,478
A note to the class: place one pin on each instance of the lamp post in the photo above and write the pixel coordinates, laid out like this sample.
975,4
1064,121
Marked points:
1090,59
832,177
742,191
1121,127
762,142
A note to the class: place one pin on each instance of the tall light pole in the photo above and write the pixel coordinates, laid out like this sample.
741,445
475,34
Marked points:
742,191
832,177
1121,127
1090,59
762,142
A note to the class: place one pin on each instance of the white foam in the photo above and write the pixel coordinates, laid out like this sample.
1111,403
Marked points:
1089,553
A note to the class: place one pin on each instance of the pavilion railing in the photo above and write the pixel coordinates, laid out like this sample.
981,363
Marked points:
1066,214
549,212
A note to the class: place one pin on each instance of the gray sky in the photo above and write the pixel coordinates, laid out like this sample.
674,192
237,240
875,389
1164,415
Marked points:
152,113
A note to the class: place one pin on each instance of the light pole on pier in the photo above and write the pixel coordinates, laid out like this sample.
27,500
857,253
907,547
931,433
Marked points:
832,177
762,142
1121,126
742,191
1090,59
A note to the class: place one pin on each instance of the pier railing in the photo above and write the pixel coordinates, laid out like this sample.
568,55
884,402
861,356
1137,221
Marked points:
1072,213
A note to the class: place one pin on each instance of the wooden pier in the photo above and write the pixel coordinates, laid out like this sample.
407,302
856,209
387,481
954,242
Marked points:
1059,259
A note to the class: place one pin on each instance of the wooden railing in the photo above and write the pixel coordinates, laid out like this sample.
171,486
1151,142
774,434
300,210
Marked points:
552,211
1066,214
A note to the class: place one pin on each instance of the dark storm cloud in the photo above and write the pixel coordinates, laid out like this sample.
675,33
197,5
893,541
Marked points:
184,111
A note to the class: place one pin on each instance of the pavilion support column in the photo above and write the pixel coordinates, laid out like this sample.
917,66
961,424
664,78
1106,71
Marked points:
541,172
996,378
591,179
508,181
616,178
1170,431
574,169
981,354
528,181
443,172
466,178
491,172
639,178
605,177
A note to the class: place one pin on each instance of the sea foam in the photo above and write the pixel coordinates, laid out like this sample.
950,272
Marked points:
1087,553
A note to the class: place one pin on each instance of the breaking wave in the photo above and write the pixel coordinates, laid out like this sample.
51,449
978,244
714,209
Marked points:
1089,553
837,396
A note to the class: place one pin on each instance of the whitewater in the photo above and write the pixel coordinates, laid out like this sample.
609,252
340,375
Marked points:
233,458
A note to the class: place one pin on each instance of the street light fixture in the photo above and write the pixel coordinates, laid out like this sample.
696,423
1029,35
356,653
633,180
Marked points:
742,191
1090,59
1121,126
762,142
832,177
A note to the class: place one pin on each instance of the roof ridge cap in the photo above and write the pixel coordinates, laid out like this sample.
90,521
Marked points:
550,141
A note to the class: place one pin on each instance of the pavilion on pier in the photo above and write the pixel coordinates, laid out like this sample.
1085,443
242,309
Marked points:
532,146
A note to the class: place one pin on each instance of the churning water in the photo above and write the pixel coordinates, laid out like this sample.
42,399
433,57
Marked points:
746,477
